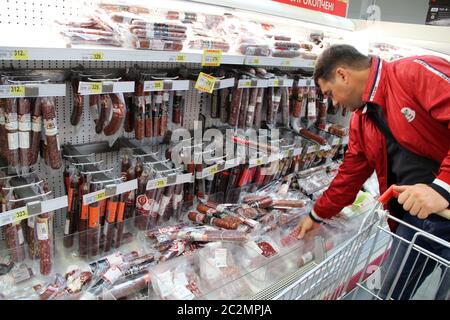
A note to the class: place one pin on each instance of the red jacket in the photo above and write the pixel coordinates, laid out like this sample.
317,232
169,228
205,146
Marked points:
414,94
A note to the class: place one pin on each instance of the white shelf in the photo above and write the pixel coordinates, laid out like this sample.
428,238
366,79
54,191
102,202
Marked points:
30,210
32,90
109,191
105,53
96,87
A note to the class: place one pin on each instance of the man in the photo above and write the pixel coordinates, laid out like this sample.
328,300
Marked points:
400,127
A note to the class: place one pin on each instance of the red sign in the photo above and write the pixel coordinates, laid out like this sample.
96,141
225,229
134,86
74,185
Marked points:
334,7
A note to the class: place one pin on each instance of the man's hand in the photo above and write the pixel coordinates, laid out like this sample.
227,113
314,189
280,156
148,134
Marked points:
305,225
420,200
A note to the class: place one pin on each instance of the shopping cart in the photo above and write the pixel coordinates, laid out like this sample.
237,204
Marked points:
361,269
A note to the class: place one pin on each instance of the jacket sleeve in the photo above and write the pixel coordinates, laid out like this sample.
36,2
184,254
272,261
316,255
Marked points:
353,172
429,79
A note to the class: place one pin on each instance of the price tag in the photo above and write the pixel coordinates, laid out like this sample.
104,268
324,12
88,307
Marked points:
20,215
101,195
158,85
276,83
98,56
259,162
17,91
286,63
161,183
213,169
253,60
20,54
246,84
95,88
205,83
212,57
180,58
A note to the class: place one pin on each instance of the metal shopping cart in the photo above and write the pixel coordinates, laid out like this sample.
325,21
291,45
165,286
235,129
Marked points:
361,269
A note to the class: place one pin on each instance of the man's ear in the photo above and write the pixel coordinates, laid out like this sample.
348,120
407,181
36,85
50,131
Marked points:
342,74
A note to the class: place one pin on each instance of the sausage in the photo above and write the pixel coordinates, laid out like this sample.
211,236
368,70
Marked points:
83,223
159,45
285,106
15,241
143,207
78,103
215,104
45,240
276,104
287,45
244,107
218,222
311,106
33,251
323,106
224,104
258,108
118,114
235,105
206,43
111,212
310,135
165,114
254,50
93,229
298,103
177,201
129,113
3,133
24,117
285,53
148,115
177,116
288,204
157,113
251,107
12,126
139,130
51,132
131,286
104,103
158,34
270,102
72,210
36,126
173,27
119,219
164,208
93,107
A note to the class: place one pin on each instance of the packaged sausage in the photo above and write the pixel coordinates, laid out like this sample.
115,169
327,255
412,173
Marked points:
48,108
44,237
12,127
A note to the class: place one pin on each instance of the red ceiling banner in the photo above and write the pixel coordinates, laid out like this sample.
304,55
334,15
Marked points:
334,7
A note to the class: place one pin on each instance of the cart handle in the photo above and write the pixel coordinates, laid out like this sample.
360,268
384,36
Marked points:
389,193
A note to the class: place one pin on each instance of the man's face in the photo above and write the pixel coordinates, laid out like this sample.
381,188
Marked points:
343,89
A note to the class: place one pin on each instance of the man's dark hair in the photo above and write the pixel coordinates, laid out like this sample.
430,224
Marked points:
341,55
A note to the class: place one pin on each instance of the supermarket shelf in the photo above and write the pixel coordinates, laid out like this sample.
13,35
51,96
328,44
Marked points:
125,54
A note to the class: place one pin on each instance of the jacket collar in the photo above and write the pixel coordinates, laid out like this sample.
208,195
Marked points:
374,91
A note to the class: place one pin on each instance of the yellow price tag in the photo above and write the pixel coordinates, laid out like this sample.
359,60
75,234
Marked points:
205,83
212,57
17,91
161,183
286,63
276,83
20,54
247,84
258,162
158,85
180,58
100,196
254,61
213,170
20,215
95,88
98,56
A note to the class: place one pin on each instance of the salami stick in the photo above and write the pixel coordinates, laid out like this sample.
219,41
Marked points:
36,127
118,115
51,131
12,126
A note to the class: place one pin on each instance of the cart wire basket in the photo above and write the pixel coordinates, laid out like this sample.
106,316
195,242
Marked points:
395,271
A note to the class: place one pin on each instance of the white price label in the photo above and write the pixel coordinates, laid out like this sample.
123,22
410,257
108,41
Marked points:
220,258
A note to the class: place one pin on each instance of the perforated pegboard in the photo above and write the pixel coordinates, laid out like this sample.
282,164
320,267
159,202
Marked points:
39,13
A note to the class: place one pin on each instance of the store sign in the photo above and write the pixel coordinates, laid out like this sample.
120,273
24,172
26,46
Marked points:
334,7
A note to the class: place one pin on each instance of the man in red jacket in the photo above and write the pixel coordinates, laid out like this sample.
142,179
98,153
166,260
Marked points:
400,127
